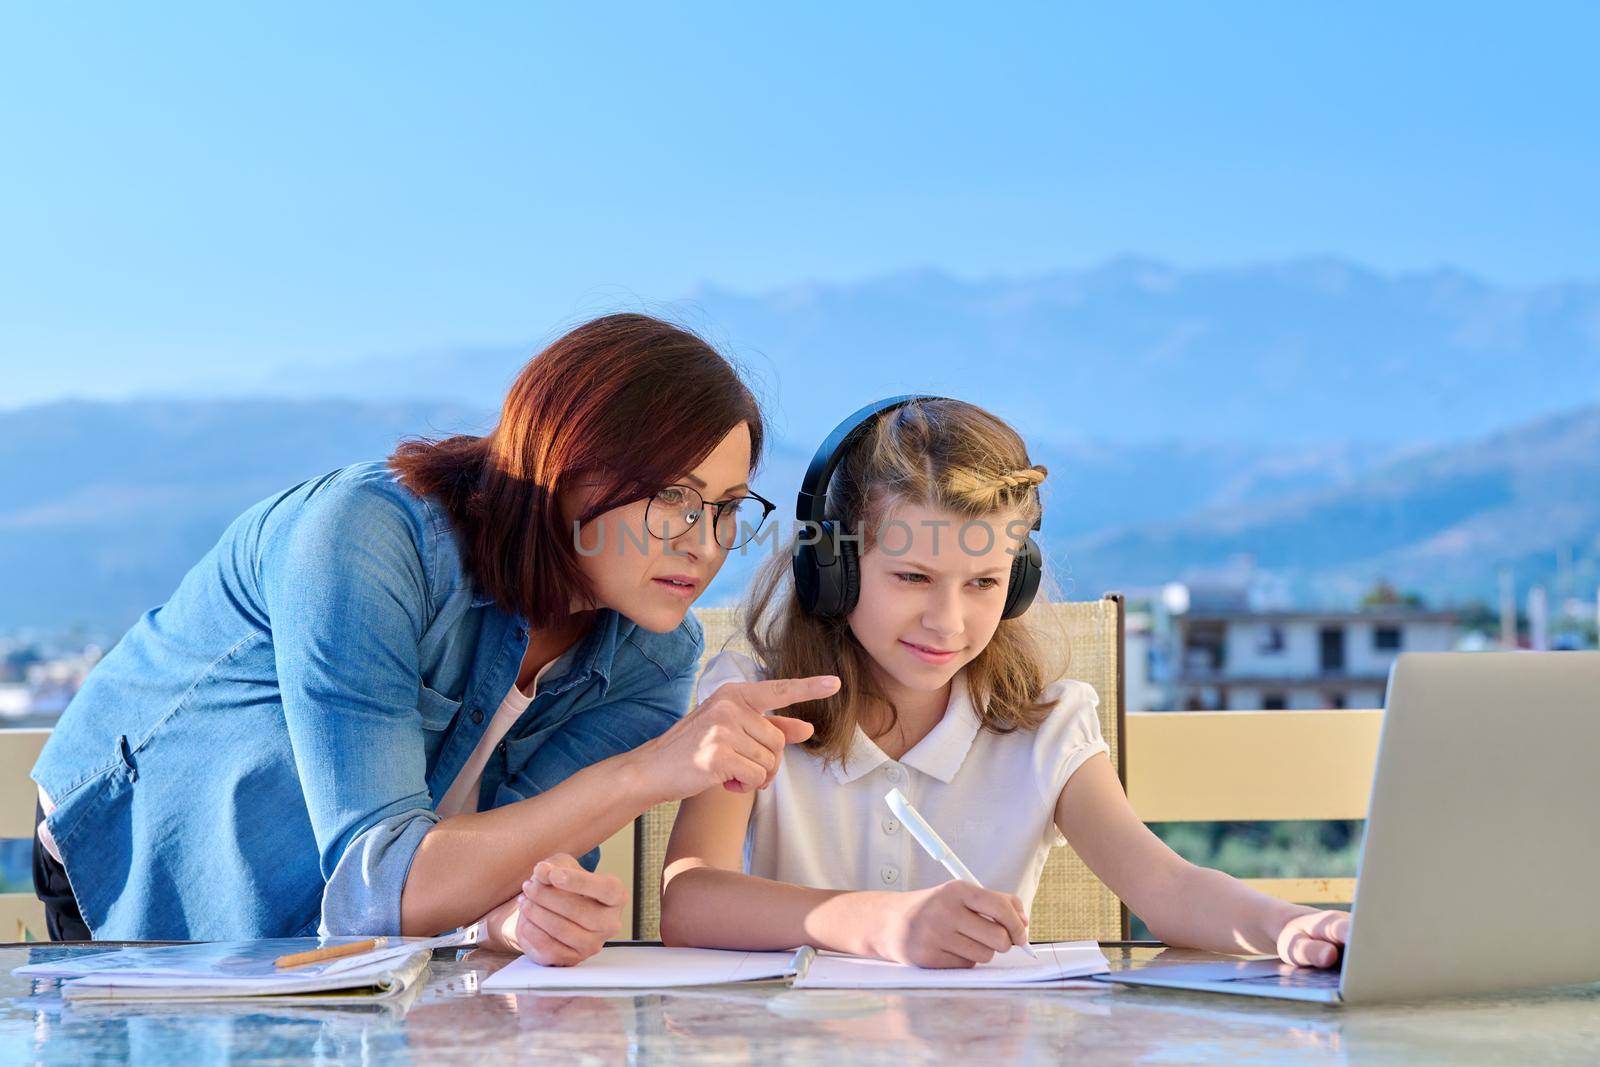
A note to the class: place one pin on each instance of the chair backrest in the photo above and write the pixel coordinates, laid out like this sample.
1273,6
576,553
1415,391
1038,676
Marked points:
21,914
1071,904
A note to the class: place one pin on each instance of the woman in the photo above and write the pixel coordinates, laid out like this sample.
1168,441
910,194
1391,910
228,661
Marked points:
392,697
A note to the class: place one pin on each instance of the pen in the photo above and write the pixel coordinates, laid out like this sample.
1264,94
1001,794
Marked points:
934,845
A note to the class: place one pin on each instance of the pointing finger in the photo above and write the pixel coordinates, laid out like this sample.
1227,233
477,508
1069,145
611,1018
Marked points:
781,692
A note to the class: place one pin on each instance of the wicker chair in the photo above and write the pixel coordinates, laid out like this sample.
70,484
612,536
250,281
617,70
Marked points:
21,914
1071,904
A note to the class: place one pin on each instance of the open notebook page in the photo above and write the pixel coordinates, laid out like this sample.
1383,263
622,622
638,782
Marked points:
1058,960
644,967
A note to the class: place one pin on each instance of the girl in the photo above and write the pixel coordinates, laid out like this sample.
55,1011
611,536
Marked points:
944,700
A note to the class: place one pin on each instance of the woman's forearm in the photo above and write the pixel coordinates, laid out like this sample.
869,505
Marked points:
709,907
469,864
1211,910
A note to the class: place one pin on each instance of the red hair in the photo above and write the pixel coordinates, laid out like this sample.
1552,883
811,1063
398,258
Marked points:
627,401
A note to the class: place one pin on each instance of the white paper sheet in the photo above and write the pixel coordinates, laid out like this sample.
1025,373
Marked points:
1057,961
644,967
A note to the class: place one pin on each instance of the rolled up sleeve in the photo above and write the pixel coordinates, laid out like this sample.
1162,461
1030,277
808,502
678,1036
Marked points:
348,598
362,896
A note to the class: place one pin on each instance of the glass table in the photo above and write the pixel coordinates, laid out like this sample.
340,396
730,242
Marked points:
447,1020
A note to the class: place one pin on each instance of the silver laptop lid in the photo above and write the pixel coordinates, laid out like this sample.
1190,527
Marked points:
1481,860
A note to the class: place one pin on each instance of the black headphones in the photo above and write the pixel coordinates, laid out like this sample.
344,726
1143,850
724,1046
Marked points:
827,576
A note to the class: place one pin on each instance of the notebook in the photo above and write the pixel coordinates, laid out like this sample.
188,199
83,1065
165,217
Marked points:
377,981
229,970
1058,963
645,967
659,967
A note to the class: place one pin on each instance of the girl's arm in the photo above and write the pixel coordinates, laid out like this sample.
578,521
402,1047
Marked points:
1183,904
709,902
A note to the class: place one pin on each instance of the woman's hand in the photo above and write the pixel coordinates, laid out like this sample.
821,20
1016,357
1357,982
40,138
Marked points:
730,739
1314,939
956,924
565,913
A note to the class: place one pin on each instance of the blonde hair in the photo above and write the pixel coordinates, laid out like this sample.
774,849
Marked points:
943,454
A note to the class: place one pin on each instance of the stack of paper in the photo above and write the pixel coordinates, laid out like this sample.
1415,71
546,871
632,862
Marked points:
228,970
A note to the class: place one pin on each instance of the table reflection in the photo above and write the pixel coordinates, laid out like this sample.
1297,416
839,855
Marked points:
446,1019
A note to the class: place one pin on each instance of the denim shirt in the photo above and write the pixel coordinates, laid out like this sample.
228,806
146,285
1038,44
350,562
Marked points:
261,755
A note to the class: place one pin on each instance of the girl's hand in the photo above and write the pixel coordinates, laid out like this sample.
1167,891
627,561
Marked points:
565,913
956,924
1314,939
730,739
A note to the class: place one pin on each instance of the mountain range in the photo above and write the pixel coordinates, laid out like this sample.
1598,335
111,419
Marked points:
103,506
1331,423
1303,353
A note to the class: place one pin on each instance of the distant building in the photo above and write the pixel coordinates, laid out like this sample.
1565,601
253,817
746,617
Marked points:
1238,659
1139,659
16,701
46,685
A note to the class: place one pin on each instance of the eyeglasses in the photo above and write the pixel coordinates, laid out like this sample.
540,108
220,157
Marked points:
673,512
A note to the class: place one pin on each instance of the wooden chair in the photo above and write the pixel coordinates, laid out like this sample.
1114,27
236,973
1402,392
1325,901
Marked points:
1256,766
21,914
1071,904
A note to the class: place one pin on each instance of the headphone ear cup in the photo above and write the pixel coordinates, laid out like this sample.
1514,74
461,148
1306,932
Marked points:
807,578
849,579
825,574
1026,570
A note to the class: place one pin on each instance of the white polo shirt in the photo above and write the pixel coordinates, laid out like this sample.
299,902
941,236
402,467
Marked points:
991,796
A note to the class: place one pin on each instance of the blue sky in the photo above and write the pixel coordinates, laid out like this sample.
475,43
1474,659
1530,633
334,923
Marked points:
194,196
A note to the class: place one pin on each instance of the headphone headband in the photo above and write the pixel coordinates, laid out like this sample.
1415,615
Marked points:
813,497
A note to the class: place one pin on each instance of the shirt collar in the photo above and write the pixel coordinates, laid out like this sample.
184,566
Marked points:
594,654
864,757
938,755
599,649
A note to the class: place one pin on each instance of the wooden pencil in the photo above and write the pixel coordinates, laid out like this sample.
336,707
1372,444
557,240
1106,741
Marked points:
332,952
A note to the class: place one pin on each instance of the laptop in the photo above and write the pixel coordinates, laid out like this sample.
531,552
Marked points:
1482,848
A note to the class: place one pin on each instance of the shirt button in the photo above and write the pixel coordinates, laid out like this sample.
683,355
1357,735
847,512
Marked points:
501,748
477,716
890,875
890,824
894,774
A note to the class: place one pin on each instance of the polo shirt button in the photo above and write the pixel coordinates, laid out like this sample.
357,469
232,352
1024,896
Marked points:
890,875
890,824
477,716
894,774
